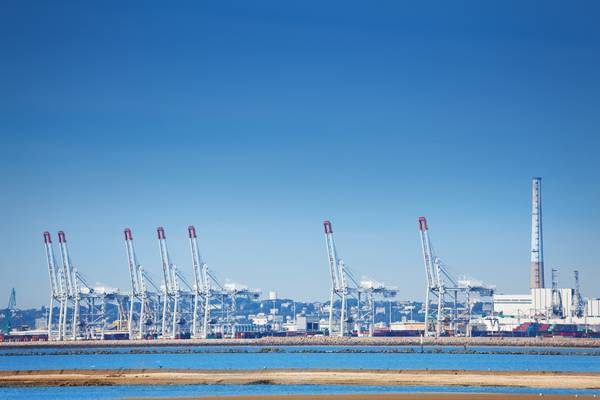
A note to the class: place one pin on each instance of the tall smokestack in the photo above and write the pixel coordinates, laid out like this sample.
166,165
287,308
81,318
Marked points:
537,244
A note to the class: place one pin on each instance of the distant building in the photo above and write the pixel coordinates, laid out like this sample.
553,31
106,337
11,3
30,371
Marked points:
541,302
592,308
302,324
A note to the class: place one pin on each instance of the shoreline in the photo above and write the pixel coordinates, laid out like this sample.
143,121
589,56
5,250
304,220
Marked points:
108,377
321,341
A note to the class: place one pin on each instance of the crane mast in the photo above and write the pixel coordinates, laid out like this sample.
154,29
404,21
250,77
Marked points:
139,289
436,285
51,265
144,290
73,292
134,267
333,268
66,265
202,292
427,251
430,268
56,287
169,291
164,255
338,280
181,297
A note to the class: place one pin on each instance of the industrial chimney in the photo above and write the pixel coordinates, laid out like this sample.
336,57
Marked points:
537,245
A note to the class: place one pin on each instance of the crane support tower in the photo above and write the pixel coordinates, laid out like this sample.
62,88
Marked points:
537,243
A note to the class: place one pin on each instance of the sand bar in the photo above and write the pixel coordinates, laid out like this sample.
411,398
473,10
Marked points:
532,379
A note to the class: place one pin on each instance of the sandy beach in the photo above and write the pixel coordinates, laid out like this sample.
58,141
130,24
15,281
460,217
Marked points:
554,380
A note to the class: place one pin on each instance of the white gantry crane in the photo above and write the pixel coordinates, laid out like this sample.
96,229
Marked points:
82,312
58,292
440,283
177,295
72,290
210,295
203,292
144,300
339,284
345,286
177,309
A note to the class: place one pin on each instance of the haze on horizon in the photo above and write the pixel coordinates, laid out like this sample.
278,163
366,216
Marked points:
255,122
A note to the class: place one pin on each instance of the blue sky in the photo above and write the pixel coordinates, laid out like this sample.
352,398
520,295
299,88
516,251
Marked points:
256,121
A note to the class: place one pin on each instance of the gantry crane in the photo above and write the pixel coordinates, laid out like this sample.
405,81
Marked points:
178,294
82,308
144,299
58,292
10,311
339,281
203,292
440,283
72,289
344,285
208,290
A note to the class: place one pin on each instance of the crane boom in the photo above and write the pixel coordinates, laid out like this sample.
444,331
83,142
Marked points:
332,254
66,265
427,252
197,262
134,267
54,286
166,262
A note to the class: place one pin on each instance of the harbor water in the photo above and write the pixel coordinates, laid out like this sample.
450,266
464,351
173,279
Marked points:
302,357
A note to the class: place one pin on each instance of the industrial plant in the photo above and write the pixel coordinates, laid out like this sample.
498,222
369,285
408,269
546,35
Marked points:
175,306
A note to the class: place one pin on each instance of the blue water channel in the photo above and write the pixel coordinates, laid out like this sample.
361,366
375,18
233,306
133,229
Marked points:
121,392
250,357
302,357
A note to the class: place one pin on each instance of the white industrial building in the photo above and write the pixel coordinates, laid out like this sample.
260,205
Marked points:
592,308
302,323
540,303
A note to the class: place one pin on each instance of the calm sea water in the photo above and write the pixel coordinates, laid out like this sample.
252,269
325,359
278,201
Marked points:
295,357
119,392
215,357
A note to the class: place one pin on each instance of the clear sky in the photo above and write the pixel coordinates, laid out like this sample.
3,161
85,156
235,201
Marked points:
255,121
